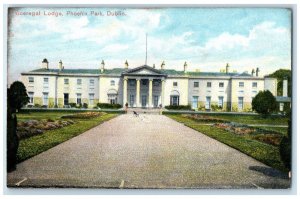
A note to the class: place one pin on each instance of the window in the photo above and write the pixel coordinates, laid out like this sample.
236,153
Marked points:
78,98
207,102
112,98
196,84
79,81
66,98
175,84
241,84
91,98
92,82
208,85
112,82
155,83
31,79
195,102
174,100
220,101
66,81
131,82
30,95
254,84
240,103
45,99
46,80
221,84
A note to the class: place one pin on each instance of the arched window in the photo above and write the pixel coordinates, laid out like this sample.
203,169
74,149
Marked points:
112,95
174,98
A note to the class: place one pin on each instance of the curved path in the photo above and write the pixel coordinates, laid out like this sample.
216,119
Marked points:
149,151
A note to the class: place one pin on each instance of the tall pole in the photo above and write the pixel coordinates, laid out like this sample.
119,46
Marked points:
146,49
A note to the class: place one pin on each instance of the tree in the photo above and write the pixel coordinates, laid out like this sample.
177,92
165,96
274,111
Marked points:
280,75
17,95
264,103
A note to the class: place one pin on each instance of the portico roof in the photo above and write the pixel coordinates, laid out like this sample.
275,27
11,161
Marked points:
144,70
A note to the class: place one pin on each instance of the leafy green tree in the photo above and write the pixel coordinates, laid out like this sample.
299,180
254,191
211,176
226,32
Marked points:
264,103
280,75
17,95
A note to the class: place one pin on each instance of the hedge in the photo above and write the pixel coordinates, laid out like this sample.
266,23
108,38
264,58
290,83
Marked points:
108,106
179,107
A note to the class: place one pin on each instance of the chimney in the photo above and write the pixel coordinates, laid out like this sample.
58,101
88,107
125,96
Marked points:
162,67
126,65
252,72
285,87
184,67
227,68
60,65
257,71
102,66
45,64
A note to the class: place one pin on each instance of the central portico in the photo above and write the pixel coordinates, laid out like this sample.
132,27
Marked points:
143,87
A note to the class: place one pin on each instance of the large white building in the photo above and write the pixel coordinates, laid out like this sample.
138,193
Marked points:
144,86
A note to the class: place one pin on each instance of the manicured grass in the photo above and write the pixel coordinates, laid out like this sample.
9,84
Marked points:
37,144
282,130
54,115
263,152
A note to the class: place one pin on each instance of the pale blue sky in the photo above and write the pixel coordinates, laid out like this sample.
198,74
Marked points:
206,38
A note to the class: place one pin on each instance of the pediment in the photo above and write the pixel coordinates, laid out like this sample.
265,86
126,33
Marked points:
144,70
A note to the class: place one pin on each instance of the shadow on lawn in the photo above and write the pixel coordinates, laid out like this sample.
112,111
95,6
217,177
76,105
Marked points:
269,172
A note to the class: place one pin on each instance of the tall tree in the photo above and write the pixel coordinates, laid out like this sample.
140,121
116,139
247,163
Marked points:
280,75
18,95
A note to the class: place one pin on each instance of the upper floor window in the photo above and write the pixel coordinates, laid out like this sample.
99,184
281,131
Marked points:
66,81
92,82
208,85
132,82
254,84
196,84
241,84
156,83
46,80
79,81
112,82
221,84
31,79
175,84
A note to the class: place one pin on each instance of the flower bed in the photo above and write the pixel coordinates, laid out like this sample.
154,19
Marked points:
268,137
35,127
204,118
85,115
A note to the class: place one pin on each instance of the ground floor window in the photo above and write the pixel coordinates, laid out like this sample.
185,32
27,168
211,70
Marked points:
91,98
66,99
207,102
221,101
78,98
30,95
195,102
174,100
131,100
241,103
45,99
112,98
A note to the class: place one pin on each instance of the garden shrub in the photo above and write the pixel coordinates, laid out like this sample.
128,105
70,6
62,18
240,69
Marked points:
85,105
109,106
179,107
73,105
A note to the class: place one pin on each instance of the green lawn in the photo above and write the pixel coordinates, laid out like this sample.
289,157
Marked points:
37,144
263,152
282,130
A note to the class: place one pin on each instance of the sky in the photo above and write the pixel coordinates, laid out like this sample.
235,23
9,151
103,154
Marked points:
206,38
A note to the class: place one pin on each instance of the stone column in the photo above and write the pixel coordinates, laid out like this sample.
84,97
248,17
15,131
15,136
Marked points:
138,92
163,92
150,93
125,91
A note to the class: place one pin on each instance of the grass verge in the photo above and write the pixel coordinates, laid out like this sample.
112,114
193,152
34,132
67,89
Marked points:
40,143
262,152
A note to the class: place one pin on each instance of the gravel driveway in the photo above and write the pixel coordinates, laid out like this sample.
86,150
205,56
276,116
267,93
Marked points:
149,151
